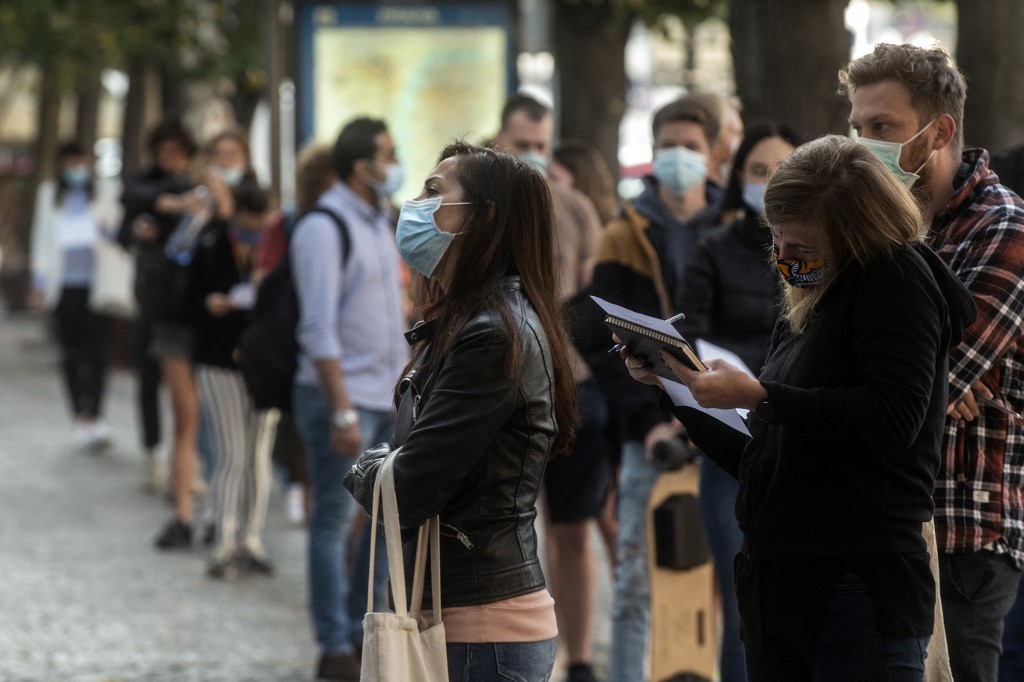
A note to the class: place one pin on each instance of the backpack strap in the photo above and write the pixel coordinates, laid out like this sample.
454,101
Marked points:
346,237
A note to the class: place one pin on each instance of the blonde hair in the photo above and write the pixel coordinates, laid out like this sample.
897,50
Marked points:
858,209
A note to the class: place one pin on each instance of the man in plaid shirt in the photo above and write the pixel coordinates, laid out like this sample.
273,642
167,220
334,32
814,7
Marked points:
907,106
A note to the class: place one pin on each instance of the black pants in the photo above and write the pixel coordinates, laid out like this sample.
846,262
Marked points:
978,589
147,369
84,339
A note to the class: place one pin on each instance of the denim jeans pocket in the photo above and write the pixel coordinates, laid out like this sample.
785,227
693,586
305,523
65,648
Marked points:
525,661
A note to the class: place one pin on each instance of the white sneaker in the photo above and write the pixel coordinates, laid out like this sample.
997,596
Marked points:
295,504
100,436
83,435
155,473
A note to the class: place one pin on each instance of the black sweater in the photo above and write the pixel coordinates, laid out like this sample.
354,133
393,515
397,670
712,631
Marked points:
842,480
213,269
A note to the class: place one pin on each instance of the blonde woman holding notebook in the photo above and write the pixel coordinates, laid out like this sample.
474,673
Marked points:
488,396
835,481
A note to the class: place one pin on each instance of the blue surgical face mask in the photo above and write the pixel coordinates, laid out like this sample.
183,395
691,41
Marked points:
76,176
753,196
536,161
394,176
231,176
679,169
421,243
889,154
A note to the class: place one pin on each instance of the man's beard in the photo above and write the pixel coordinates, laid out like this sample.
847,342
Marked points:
922,189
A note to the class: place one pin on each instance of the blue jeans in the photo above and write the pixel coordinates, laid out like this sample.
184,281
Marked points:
501,661
849,647
376,427
718,510
206,446
631,601
330,526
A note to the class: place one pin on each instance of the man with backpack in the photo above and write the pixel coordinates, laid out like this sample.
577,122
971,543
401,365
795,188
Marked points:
351,353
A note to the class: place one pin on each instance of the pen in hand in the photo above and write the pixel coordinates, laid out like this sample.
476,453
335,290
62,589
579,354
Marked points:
616,348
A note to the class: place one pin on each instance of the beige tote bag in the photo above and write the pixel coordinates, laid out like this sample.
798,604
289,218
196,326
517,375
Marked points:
936,665
401,646
113,278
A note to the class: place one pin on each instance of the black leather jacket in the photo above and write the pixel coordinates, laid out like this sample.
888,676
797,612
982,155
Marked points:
474,446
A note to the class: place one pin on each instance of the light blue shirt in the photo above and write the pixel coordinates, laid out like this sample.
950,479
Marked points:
352,312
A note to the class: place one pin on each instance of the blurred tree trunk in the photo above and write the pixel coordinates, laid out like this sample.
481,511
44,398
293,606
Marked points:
142,110
133,127
990,52
590,52
17,269
88,110
786,54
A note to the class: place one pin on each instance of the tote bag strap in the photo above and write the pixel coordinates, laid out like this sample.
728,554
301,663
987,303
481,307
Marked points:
429,536
385,501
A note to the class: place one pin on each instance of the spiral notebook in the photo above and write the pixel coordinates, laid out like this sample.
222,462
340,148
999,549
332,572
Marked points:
646,337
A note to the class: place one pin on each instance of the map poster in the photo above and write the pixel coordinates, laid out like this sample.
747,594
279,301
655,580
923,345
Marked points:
434,73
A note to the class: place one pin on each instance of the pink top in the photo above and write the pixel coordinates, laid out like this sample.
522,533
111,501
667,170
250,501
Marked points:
526,618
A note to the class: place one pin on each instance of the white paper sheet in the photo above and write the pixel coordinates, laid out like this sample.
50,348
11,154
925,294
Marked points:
709,351
242,296
682,397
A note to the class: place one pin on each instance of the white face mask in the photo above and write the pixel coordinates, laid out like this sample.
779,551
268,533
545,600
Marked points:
889,154
536,161
753,196
394,176
679,169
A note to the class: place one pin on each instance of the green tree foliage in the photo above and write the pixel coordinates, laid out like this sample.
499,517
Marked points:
186,40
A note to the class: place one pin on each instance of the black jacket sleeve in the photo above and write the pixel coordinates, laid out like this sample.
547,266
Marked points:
635,405
471,399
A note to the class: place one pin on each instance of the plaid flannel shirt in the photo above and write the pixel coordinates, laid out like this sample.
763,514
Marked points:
978,493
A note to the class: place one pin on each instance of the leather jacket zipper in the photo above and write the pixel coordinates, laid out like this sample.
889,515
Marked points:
417,397
462,537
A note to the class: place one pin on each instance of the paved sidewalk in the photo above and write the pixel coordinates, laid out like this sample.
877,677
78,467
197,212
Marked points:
84,595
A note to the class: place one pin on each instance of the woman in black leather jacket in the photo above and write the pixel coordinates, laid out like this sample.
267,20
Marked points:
487,397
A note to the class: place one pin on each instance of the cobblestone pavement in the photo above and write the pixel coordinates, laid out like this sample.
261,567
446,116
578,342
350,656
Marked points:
85,596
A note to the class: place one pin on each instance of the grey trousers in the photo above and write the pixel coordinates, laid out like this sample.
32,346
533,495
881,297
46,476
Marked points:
978,589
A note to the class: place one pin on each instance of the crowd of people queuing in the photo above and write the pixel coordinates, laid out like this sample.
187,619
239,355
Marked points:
874,286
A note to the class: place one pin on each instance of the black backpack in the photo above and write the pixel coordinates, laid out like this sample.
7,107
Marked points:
268,351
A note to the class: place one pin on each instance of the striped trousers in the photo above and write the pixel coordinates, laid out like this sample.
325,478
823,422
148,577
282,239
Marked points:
243,439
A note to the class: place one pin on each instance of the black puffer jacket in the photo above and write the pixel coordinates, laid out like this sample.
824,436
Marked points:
474,446
731,293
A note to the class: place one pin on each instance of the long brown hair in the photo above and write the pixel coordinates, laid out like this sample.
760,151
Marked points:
858,208
590,175
508,230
